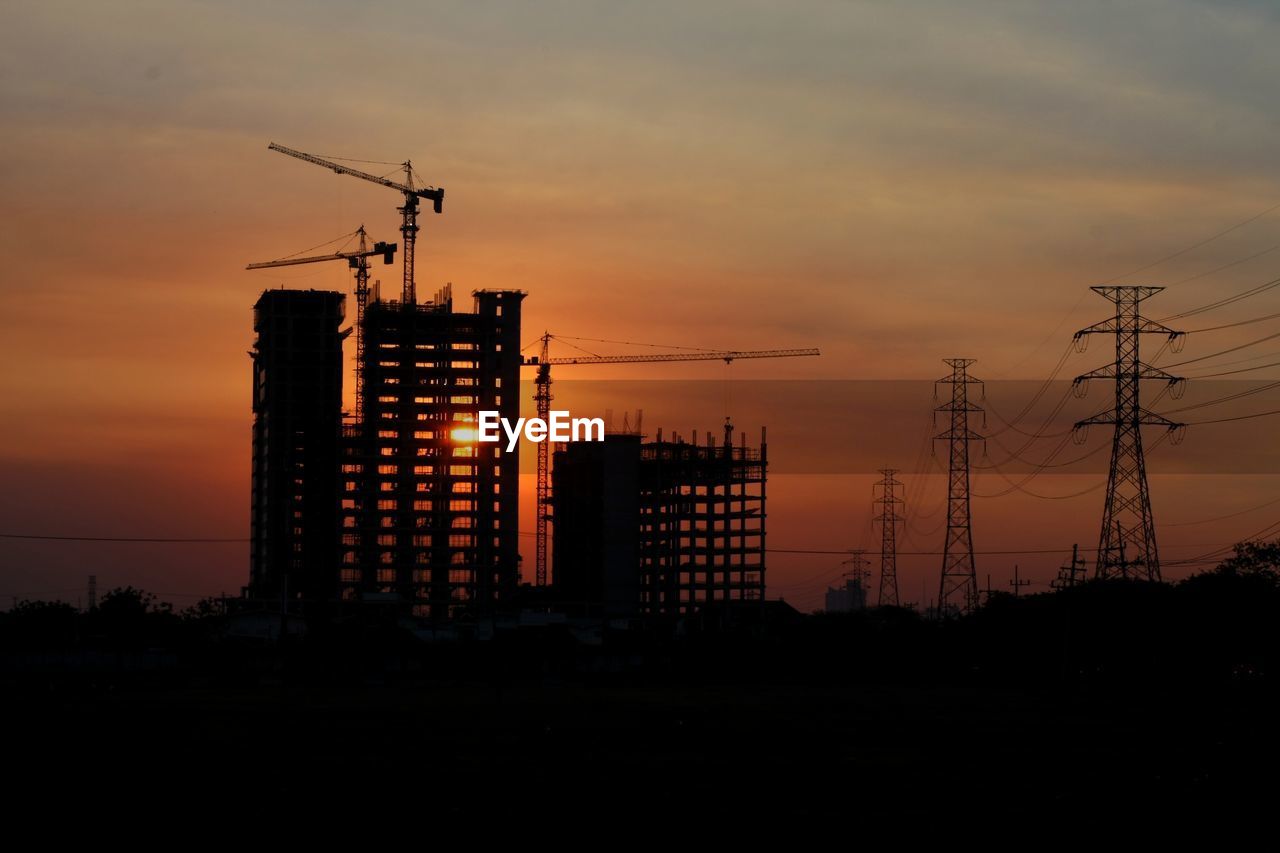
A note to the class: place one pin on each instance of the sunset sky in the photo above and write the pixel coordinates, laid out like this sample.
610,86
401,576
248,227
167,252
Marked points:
893,183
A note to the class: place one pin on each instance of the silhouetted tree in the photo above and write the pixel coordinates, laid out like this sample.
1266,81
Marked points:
1253,559
126,603
204,609
44,624
1230,616
130,616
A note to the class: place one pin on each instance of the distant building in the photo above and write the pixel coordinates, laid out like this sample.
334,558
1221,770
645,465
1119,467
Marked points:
696,532
297,424
850,596
429,515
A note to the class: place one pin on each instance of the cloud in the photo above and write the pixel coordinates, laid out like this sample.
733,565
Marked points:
893,183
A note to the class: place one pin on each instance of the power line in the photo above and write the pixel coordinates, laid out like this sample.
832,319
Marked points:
1018,455
1227,266
1225,548
1234,372
1225,351
1020,486
1253,291
1225,399
150,539
1261,319
921,553
1206,241
915,491
1030,493
1272,502
1194,246
1062,360
1040,432
1040,469
1031,476
1237,418
1236,361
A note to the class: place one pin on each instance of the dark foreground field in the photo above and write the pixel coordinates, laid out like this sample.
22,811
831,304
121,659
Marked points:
1104,703
753,755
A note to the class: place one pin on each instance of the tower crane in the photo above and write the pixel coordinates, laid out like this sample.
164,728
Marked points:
408,213
542,398
358,261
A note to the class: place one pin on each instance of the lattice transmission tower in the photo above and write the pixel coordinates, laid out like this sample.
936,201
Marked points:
958,591
889,517
1127,543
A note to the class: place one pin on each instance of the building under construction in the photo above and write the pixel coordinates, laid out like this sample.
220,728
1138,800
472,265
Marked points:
596,546
659,528
297,421
429,515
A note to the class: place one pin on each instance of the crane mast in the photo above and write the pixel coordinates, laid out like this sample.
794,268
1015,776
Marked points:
408,211
542,399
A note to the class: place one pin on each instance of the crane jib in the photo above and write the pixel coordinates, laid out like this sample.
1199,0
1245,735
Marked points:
436,194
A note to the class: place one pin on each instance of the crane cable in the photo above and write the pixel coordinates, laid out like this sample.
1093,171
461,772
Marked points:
567,338
346,238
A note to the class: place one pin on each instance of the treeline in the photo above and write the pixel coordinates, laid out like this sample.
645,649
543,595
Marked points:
125,618
1215,629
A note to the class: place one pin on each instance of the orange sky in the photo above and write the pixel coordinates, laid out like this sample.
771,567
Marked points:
892,184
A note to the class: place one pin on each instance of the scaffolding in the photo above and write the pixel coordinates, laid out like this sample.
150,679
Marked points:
702,522
429,514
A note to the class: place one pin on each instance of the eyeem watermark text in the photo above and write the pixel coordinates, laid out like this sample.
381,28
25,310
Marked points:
560,427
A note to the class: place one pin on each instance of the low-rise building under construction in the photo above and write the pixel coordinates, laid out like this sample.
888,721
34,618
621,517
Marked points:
659,528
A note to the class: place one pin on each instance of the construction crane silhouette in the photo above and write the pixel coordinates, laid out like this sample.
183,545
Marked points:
358,261
408,213
542,397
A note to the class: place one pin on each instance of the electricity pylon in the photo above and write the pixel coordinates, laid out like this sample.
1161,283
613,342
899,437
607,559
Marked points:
889,503
1127,543
958,590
